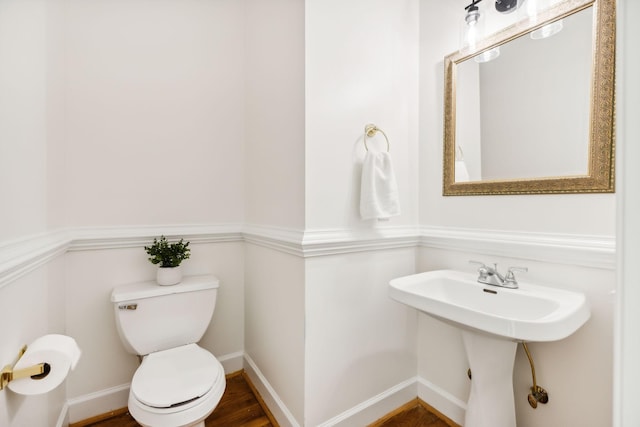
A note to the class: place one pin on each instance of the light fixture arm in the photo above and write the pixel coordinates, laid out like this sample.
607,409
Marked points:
473,13
472,6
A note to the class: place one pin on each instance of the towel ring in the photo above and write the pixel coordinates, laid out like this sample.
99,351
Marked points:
369,131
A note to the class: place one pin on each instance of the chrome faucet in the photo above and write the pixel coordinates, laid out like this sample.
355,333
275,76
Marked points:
490,275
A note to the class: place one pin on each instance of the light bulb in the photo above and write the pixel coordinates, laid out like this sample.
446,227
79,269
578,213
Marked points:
547,31
487,55
473,26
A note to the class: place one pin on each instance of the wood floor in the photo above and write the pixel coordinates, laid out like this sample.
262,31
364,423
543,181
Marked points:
414,414
418,416
242,406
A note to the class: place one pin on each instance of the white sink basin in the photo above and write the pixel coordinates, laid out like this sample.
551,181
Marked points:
529,313
492,320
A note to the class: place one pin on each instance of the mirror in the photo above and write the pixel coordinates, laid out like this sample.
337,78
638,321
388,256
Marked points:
539,118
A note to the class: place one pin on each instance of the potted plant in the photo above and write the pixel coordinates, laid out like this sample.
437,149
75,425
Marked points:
169,256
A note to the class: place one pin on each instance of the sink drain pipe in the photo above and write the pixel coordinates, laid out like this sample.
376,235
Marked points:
538,394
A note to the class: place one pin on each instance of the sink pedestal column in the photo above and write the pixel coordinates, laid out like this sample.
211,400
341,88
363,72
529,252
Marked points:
491,401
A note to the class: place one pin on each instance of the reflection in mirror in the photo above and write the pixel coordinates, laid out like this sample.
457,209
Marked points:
538,116
525,114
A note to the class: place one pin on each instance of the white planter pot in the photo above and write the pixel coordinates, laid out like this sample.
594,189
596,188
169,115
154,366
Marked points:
169,275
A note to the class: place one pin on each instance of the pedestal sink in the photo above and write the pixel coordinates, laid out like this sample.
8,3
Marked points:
493,320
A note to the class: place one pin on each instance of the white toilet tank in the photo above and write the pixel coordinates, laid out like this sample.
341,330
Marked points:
152,318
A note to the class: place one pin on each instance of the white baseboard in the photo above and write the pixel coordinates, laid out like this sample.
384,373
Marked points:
63,418
277,407
377,407
232,362
99,402
442,400
362,414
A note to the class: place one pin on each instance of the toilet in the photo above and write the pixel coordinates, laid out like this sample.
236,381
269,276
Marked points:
178,383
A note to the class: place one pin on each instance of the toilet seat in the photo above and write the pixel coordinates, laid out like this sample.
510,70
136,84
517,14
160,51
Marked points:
164,370
174,377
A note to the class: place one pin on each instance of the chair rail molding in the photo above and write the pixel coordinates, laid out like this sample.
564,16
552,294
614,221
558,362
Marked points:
571,249
20,256
324,242
88,238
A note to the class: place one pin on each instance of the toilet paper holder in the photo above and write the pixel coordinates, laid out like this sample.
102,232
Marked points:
9,374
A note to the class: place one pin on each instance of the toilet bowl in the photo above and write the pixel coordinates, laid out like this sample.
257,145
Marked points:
178,383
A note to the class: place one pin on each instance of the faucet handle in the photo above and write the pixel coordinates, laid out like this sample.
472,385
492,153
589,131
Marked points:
483,270
510,277
482,264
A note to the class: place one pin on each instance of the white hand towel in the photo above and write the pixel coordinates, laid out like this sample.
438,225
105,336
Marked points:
379,191
461,172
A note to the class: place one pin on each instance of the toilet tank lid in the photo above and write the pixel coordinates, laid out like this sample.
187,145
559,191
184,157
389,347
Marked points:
148,289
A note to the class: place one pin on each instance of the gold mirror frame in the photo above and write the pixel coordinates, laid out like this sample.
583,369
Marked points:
600,177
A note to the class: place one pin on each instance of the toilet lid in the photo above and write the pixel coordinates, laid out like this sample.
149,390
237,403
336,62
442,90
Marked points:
176,376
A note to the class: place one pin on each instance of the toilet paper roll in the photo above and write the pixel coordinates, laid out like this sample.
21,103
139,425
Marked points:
59,351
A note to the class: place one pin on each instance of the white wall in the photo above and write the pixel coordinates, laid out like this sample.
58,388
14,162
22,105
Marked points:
32,306
153,135
111,114
274,113
361,59
627,346
330,74
23,123
359,343
361,67
154,112
274,199
55,117
275,327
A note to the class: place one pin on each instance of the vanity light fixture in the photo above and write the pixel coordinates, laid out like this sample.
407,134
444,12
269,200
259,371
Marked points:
507,6
473,13
472,24
473,29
